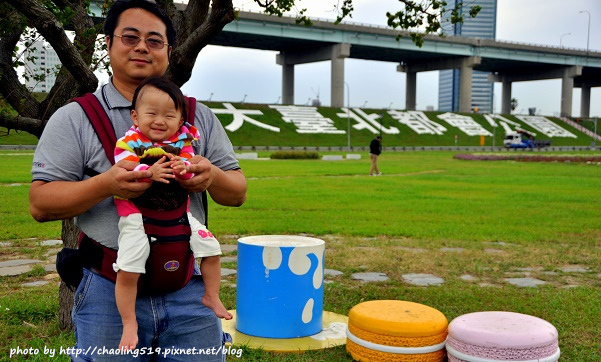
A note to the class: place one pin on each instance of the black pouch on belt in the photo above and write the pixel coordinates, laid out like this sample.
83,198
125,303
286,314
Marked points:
69,265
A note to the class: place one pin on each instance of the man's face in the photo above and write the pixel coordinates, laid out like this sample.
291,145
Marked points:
132,64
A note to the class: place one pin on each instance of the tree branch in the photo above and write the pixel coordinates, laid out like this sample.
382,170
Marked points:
197,13
184,56
11,88
66,86
49,27
31,125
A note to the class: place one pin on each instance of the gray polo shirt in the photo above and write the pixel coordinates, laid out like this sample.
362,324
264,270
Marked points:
69,145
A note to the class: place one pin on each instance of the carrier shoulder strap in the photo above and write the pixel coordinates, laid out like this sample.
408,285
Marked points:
191,109
101,123
106,133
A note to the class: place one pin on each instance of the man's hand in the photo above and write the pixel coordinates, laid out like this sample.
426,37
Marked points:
203,170
122,181
58,200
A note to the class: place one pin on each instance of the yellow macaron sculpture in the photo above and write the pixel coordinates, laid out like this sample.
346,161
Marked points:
395,330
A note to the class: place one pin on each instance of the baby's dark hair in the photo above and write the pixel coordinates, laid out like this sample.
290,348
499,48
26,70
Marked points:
167,86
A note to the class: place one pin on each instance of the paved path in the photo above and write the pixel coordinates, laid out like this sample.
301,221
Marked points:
520,277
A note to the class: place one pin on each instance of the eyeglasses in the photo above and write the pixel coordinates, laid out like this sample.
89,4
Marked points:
131,40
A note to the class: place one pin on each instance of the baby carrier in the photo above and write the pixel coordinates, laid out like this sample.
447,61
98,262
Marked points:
170,264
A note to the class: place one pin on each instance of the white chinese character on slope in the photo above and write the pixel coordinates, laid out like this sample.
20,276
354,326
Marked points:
418,121
465,124
367,121
490,118
545,126
307,119
240,116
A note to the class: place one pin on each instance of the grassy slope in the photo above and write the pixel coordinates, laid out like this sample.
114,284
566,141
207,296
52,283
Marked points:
250,135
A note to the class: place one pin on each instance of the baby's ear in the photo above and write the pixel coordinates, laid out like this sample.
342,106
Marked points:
134,117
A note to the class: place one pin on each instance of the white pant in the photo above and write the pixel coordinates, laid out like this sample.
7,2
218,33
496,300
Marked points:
134,246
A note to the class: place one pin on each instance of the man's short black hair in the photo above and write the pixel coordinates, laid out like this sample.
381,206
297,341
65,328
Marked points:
167,86
112,17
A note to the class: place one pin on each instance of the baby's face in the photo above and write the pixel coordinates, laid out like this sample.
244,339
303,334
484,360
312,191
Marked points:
155,115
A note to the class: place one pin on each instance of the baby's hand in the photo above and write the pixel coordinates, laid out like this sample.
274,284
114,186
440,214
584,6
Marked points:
180,168
161,171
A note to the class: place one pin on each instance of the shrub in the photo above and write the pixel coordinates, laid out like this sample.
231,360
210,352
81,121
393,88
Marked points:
295,155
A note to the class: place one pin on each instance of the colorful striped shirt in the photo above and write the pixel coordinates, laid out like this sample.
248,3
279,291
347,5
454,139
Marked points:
135,146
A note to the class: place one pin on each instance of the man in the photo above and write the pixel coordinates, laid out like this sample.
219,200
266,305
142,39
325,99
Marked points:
375,148
62,188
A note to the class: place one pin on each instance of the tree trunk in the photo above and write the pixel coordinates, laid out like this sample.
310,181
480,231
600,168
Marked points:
69,235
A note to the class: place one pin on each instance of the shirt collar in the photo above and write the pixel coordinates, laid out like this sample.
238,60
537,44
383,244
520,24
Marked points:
113,98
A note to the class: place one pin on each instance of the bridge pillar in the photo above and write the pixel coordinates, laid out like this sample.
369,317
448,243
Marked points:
335,53
567,88
506,97
337,83
567,75
410,91
465,83
585,101
465,65
288,84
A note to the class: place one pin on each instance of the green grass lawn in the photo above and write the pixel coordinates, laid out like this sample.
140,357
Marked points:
510,219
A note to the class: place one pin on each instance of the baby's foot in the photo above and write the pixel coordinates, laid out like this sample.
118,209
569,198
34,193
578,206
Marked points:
215,304
129,338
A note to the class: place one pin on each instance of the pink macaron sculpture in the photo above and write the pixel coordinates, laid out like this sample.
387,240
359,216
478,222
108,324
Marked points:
501,336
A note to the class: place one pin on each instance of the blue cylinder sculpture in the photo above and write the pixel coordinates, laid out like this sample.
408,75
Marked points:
279,287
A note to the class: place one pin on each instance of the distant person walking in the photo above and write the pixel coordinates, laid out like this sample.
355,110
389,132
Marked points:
375,148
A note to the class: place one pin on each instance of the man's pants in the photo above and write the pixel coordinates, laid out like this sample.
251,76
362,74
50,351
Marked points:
171,327
374,164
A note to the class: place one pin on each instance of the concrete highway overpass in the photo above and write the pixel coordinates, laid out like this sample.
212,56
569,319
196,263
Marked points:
506,62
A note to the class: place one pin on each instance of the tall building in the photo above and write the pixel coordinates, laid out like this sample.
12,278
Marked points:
482,26
40,59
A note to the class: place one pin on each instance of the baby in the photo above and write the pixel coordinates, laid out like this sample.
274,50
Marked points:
161,132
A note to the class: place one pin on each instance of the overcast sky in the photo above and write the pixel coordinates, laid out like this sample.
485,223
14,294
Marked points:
234,74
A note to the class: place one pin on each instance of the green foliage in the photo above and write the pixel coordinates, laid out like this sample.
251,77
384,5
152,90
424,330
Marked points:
294,155
514,104
8,22
416,16
428,16
345,10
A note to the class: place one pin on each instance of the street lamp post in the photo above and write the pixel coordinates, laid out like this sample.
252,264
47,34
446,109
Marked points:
594,140
561,39
348,115
588,34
